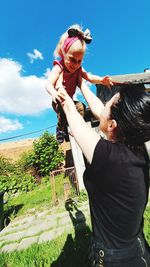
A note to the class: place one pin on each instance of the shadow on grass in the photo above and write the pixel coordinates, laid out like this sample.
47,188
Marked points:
75,250
11,212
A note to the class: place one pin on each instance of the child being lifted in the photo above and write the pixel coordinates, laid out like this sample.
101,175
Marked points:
66,72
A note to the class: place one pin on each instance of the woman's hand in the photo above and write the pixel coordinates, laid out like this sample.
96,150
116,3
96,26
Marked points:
86,137
65,100
55,96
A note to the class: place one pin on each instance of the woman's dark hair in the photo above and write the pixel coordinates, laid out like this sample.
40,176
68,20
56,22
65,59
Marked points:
132,114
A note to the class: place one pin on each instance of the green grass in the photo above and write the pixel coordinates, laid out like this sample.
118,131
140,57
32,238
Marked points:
68,250
147,224
38,199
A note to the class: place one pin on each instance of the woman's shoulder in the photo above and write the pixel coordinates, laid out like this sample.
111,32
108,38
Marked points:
102,148
108,148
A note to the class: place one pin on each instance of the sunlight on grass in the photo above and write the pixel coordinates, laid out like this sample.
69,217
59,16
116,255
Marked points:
36,199
66,250
147,224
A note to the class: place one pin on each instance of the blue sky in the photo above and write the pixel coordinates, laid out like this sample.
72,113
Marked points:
29,32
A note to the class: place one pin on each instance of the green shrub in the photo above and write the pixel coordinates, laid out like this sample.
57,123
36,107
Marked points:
5,166
13,178
22,175
45,156
22,182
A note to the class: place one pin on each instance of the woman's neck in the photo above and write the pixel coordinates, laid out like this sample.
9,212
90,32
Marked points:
111,137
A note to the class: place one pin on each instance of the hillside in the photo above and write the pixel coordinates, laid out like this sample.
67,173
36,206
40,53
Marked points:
13,150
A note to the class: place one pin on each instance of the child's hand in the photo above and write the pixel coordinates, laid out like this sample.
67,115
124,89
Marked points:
107,81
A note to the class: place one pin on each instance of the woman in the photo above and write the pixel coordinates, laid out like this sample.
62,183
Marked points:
117,174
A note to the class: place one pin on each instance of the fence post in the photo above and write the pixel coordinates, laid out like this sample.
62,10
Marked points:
52,181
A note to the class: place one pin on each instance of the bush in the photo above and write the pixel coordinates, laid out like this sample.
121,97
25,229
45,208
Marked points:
14,183
13,178
5,166
22,175
46,155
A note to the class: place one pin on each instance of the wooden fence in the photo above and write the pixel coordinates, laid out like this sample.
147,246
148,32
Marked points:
69,184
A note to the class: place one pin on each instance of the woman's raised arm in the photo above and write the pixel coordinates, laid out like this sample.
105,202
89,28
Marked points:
85,136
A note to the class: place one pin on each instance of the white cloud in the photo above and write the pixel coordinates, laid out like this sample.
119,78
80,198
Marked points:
23,95
20,94
35,55
7,125
46,73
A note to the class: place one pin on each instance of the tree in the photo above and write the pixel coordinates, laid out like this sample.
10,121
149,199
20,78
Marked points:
46,155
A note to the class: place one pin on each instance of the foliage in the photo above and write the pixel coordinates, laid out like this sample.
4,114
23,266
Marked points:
23,162
40,197
147,224
21,176
13,179
5,166
46,155
17,182
82,196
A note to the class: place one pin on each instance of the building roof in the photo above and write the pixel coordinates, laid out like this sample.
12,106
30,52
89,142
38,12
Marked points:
135,78
104,93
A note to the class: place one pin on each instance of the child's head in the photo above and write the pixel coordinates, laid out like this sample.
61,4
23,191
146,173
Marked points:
71,47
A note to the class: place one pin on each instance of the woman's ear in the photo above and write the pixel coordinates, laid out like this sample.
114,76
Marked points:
112,124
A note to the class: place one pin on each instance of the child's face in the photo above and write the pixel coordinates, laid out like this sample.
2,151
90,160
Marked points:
73,59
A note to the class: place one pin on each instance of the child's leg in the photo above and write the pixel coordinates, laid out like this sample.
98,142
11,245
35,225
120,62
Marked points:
60,115
80,107
62,122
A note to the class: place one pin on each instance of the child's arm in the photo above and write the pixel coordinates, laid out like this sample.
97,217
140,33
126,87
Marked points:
95,104
51,81
96,79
